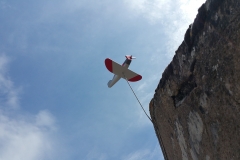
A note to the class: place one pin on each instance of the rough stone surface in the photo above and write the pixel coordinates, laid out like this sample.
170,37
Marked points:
196,106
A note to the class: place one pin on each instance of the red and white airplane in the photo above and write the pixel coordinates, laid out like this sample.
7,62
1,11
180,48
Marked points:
121,71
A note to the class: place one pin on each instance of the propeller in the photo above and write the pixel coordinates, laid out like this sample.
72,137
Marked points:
130,57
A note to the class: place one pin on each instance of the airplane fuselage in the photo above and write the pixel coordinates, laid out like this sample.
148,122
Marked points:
116,78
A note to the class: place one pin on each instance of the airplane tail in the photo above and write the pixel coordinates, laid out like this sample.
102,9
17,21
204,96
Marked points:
109,84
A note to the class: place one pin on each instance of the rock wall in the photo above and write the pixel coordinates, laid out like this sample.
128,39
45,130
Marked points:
196,106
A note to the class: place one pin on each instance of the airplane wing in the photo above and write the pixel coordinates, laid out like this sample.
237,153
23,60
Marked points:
117,69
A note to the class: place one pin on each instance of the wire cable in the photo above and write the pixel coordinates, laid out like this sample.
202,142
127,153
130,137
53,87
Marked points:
137,98
156,127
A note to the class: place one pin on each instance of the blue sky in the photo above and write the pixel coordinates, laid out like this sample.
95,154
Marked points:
55,103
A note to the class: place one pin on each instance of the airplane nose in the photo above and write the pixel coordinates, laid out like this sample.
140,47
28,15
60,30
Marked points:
128,57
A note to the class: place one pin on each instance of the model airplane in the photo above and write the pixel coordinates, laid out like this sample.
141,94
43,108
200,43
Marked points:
121,71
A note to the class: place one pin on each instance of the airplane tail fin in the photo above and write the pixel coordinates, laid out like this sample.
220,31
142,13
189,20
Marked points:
109,84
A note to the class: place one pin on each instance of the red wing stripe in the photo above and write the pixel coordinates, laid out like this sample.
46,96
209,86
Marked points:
108,64
136,78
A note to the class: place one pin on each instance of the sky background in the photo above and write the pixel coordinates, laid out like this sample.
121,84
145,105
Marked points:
54,99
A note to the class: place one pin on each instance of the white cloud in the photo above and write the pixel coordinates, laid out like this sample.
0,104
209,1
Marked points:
144,154
138,155
148,80
8,93
161,10
151,9
22,136
95,154
179,21
4,5
174,16
45,119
